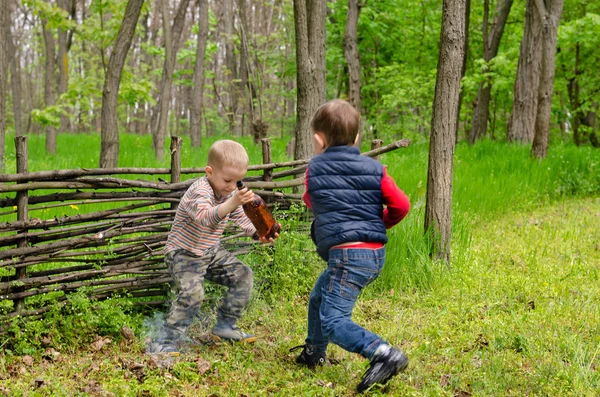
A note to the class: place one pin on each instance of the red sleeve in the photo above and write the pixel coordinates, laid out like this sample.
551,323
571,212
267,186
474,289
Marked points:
306,196
396,201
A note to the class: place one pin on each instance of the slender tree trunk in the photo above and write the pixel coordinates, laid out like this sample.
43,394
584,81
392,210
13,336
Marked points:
309,21
245,87
231,65
592,122
172,36
550,11
49,82
491,43
521,124
4,30
109,153
198,79
15,78
573,91
62,61
463,68
438,208
353,58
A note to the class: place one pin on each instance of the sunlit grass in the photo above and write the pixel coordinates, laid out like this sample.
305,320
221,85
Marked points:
521,319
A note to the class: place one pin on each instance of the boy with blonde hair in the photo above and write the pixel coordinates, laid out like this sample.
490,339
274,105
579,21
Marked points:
194,253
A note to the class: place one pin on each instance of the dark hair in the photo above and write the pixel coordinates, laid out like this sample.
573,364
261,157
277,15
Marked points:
338,120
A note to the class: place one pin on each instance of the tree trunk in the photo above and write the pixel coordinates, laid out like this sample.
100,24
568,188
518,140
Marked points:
573,92
231,64
109,153
491,43
247,115
15,78
172,36
198,79
62,61
438,208
591,121
353,59
550,13
309,21
49,81
521,125
463,67
4,30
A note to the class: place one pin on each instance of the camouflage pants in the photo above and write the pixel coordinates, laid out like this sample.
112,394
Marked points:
189,272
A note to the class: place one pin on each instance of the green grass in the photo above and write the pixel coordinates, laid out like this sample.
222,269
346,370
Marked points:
83,151
516,314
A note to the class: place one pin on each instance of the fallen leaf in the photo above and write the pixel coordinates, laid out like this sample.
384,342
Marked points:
27,360
46,341
445,380
38,382
203,366
100,342
127,333
462,393
51,354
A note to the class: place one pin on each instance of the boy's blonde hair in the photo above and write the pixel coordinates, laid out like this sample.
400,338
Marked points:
338,120
226,153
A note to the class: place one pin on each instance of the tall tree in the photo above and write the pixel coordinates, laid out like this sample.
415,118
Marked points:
244,67
491,43
550,12
231,65
49,83
352,56
3,73
438,207
62,58
309,21
172,38
198,79
463,68
15,77
109,152
522,120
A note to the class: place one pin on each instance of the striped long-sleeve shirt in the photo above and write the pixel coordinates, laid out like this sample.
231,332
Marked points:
197,225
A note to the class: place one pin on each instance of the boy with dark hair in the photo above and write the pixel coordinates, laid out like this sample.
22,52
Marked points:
194,253
347,193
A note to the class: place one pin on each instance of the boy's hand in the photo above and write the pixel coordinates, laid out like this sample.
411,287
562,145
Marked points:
243,196
240,197
266,240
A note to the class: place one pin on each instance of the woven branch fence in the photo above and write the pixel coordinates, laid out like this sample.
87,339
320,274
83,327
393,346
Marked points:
115,250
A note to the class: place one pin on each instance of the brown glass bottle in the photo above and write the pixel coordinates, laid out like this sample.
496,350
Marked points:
260,216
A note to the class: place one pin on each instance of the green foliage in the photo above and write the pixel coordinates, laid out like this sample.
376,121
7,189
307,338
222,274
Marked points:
55,16
290,269
578,41
49,116
71,324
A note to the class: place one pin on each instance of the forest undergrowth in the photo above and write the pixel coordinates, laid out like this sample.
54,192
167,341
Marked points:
515,314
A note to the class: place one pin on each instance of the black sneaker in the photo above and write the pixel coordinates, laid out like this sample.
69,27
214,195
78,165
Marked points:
383,366
308,357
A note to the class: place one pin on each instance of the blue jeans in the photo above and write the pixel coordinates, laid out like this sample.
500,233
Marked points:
333,297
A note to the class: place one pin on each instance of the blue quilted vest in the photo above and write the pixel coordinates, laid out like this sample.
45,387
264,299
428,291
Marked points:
345,193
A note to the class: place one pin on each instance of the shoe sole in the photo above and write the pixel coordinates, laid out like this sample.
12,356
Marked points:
383,380
218,339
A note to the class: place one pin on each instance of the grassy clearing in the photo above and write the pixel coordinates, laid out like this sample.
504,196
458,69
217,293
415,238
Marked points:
516,315
520,319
